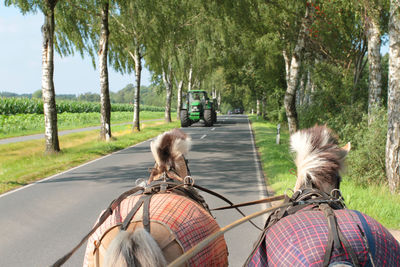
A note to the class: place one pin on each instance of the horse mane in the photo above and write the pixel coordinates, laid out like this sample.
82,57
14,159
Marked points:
318,159
168,147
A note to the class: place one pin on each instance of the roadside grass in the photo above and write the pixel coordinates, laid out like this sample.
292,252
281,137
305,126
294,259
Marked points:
28,124
25,162
278,166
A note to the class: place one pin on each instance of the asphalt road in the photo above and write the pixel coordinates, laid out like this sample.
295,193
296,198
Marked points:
42,221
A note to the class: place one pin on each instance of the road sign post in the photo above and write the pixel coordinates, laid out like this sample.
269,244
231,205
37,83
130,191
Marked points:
278,134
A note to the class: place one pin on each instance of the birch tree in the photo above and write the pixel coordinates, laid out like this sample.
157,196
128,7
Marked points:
293,66
374,15
105,104
128,44
393,135
84,26
48,91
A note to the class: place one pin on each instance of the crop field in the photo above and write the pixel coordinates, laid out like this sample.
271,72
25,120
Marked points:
26,124
12,106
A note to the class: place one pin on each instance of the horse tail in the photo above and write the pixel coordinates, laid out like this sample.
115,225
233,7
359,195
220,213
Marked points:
136,248
318,156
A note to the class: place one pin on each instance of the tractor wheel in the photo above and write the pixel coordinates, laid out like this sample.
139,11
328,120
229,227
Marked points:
208,118
214,116
185,122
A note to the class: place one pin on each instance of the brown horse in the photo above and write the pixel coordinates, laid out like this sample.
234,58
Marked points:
316,229
164,220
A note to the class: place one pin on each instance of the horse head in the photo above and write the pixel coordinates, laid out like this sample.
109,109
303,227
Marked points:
168,150
319,159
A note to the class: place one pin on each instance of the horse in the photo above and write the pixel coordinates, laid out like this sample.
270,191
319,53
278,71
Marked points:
316,229
163,220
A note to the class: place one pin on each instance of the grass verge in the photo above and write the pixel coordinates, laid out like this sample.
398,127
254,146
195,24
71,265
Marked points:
373,200
24,162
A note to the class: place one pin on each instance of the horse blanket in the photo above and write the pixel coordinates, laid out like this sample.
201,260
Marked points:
190,222
301,240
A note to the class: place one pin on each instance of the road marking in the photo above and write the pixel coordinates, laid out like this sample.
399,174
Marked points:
262,189
203,136
213,129
61,173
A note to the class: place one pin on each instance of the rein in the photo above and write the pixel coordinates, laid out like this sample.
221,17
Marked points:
185,186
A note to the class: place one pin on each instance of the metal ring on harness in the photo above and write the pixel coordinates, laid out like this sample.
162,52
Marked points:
339,197
188,180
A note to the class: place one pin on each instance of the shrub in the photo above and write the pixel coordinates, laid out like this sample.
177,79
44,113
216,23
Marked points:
366,162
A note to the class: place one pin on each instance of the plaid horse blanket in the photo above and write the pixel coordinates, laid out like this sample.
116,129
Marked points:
301,239
186,218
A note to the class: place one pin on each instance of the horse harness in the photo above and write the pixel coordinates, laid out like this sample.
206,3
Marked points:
317,200
167,184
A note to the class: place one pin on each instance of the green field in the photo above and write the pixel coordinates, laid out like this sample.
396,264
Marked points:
26,124
375,201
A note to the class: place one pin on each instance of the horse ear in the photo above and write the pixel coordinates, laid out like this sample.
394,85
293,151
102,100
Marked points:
347,147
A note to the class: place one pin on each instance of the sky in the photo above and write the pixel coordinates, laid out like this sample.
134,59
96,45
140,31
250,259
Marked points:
21,60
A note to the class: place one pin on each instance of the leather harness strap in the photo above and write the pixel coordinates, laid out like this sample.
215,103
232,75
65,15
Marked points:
336,239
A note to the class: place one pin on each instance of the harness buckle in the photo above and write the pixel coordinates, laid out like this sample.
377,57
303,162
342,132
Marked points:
148,190
163,188
188,181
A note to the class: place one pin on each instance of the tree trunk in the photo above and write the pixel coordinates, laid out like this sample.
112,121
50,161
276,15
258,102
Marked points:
359,67
168,86
301,89
293,77
264,107
258,107
374,60
219,101
105,109
393,135
190,79
308,89
136,101
179,104
48,91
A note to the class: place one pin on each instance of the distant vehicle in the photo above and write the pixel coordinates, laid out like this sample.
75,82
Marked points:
238,111
198,107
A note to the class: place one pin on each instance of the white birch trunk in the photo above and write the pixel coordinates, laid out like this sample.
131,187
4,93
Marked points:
308,89
136,101
301,89
219,101
48,92
374,60
190,79
293,77
393,135
168,86
105,105
258,107
179,96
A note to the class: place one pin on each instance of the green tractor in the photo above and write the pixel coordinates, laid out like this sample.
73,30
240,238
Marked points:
198,107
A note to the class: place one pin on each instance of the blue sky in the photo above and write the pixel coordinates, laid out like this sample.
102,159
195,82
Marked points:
21,60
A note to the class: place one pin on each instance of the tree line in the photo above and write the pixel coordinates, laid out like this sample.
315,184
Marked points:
300,61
